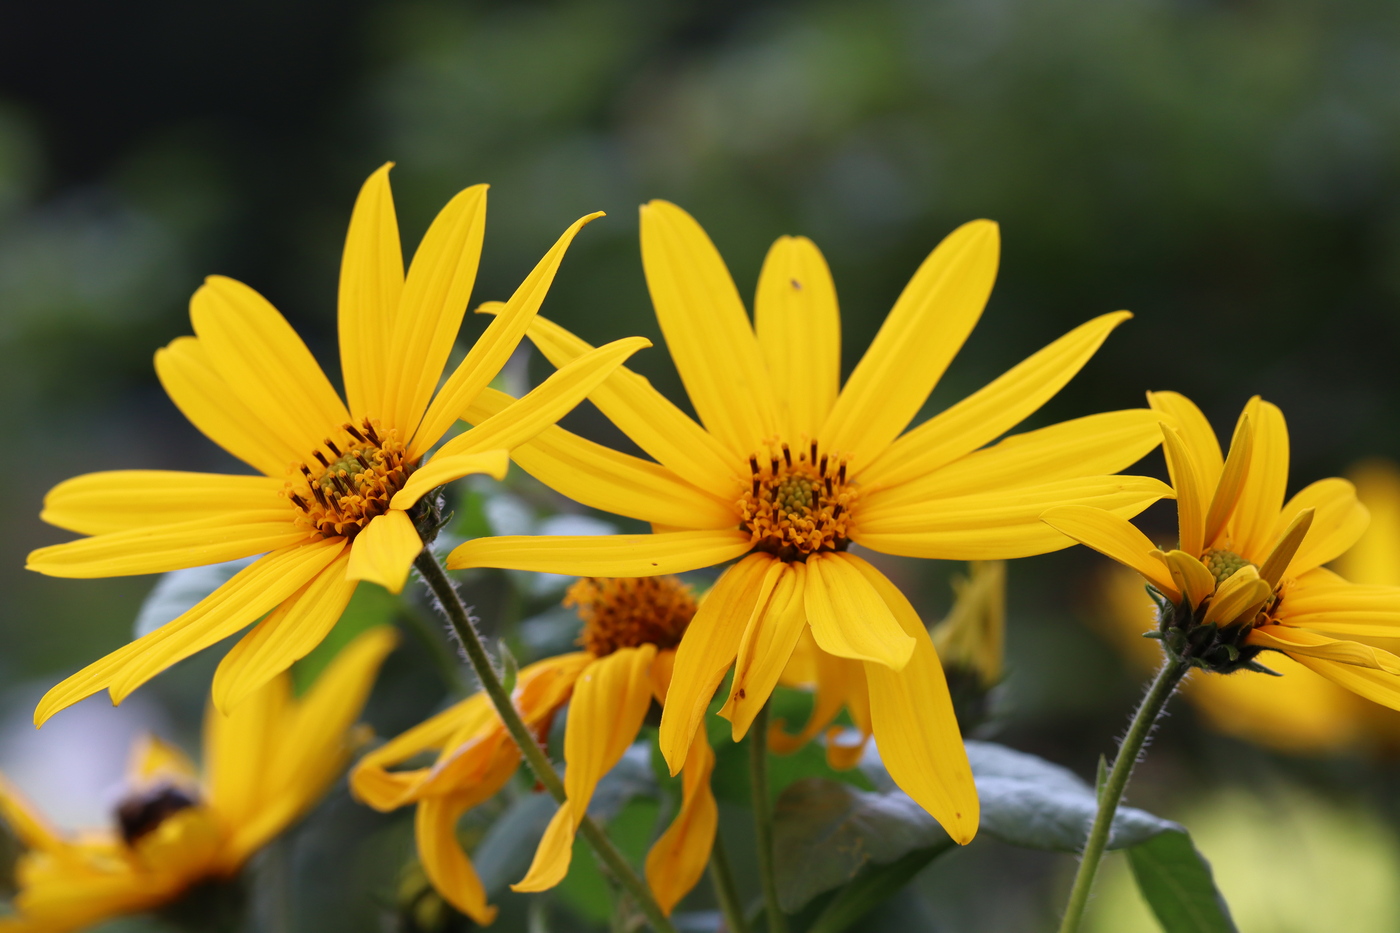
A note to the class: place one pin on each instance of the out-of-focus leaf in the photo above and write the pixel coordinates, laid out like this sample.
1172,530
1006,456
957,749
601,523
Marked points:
631,777
504,853
370,606
1177,883
176,592
871,888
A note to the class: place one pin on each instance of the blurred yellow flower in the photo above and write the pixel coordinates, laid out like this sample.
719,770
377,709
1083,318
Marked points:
790,469
328,509
1247,573
265,766
631,629
973,636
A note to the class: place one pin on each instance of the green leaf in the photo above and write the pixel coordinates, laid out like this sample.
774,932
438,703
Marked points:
510,668
1177,883
872,888
370,606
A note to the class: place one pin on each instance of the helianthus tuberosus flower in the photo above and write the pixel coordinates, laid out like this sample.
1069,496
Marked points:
1246,575
791,468
265,766
329,507
631,628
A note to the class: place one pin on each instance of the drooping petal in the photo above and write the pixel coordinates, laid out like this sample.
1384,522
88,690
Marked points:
385,550
1377,686
444,862
1114,537
161,548
250,593
603,555
265,363
678,859
706,650
371,280
206,400
799,332
706,329
1339,521
1192,500
1296,642
992,410
839,683
848,617
610,701
288,634
486,357
1195,431
602,478
778,620
1322,601
915,728
1261,497
121,500
444,468
1232,476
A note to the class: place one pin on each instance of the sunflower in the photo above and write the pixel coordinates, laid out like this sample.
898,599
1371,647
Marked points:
329,507
790,469
631,629
265,766
1246,575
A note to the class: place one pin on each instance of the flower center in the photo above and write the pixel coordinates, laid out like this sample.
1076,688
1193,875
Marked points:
623,612
143,812
350,481
1223,564
797,504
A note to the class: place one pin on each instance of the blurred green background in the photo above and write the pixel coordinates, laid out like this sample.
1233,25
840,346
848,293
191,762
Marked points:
1229,171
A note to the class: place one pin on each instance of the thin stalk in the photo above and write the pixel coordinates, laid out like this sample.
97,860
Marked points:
722,877
1111,794
437,580
763,820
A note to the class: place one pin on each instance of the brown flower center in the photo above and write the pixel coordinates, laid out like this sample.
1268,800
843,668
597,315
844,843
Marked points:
142,813
797,504
350,480
625,612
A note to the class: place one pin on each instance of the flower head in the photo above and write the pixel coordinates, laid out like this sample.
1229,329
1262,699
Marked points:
791,469
265,766
630,629
1246,575
338,481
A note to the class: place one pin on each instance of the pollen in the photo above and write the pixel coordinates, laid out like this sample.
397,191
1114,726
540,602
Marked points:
797,504
626,612
349,480
1223,564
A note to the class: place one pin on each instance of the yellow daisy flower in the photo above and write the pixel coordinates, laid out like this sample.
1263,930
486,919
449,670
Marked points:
790,469
265,766
329,508
1247,575
631,629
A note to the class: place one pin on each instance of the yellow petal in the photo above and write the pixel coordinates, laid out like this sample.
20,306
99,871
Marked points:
29,826
238,749
839,683
371,280
120,500
1114,537
1237,598
1261,497
160,548
705,653
678,859
1376,557
1323,601
444,468
1195,431
1191,493
603,555
610,701
1232,476
1377,686
994,409
374,784
288,634
251,592
1339,521
384,551
848,617
266,365
1193,579
602,478
647,417
206,400
1286,547
706,329
486,357
155,762
444,862
778,620
1103,443
1296,642
799,332
915,729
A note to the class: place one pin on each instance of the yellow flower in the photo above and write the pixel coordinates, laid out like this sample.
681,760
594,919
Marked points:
973,636
265,766
329,508
790,469
631,629
1247,573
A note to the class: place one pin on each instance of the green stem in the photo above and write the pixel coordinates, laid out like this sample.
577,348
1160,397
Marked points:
722,877
763,820
437,580
1165,683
